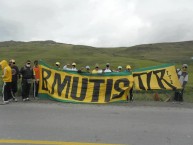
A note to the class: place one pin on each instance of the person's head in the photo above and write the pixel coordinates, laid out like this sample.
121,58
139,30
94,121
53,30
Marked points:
96,66
57,64
28,63
119,68
184,67
87,68
36,62
3,64
108,65
128,67
73,64
11,62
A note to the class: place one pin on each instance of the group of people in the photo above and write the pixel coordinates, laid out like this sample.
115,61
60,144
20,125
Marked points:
96,70
11,74
30,74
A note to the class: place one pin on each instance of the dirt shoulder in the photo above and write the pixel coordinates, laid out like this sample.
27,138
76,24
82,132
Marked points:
125,104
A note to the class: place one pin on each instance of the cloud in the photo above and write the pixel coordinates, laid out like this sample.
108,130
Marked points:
106,23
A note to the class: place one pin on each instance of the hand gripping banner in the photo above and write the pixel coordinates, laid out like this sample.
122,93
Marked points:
68,86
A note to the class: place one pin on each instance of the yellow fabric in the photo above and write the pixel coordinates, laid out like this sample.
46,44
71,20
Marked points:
160,78
64,86
7,73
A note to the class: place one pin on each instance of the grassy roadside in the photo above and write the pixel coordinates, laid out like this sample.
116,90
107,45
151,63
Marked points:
137,56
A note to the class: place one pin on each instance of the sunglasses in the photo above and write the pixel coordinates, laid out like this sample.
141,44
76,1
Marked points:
28,63
185,67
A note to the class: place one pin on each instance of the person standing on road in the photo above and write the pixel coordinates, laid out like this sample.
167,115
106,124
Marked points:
183,78
15,77
37,78
7,79
128,69
27,78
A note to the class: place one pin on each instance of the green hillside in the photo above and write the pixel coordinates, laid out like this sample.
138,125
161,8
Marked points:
137,56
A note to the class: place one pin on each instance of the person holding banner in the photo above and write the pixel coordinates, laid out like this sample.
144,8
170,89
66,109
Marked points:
119,69
107,69
87,69
74,67
128,69
37,78
57,65
97,70
67,67
183,78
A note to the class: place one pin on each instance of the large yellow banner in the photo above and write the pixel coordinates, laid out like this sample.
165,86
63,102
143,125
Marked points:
83,87
68,86
157,77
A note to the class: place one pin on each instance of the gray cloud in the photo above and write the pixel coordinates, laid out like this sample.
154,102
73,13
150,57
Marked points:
95,22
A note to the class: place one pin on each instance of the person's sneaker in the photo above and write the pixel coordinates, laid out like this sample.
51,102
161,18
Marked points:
24,100
15,99
5,102
27,99
10,100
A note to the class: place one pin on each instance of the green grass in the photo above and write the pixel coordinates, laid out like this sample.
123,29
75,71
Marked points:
137,56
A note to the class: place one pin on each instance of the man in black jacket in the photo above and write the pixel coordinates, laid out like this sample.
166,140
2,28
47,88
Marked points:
15,76
27,75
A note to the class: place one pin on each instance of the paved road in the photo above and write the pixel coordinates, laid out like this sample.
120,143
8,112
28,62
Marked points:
113,124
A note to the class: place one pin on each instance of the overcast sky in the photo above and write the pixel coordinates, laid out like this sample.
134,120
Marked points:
100,23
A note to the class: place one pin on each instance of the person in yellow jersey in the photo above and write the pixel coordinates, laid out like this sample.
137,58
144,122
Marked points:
7,80
97,70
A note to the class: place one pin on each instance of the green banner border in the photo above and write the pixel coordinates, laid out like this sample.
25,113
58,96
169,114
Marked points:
153,67
46,96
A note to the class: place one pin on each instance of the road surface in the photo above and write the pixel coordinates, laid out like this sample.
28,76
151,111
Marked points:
129,124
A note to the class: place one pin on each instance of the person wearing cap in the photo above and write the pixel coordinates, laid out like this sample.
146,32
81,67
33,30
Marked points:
107,69
27,74
57,65
7,79
119,69
128,68
130,98
87,69
15,77
183,78
36,70
73,67
97,70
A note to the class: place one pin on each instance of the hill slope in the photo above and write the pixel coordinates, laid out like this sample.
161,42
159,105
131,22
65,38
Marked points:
137,56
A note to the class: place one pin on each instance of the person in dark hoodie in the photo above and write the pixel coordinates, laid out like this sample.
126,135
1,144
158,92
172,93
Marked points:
15,76
27,75
7,79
